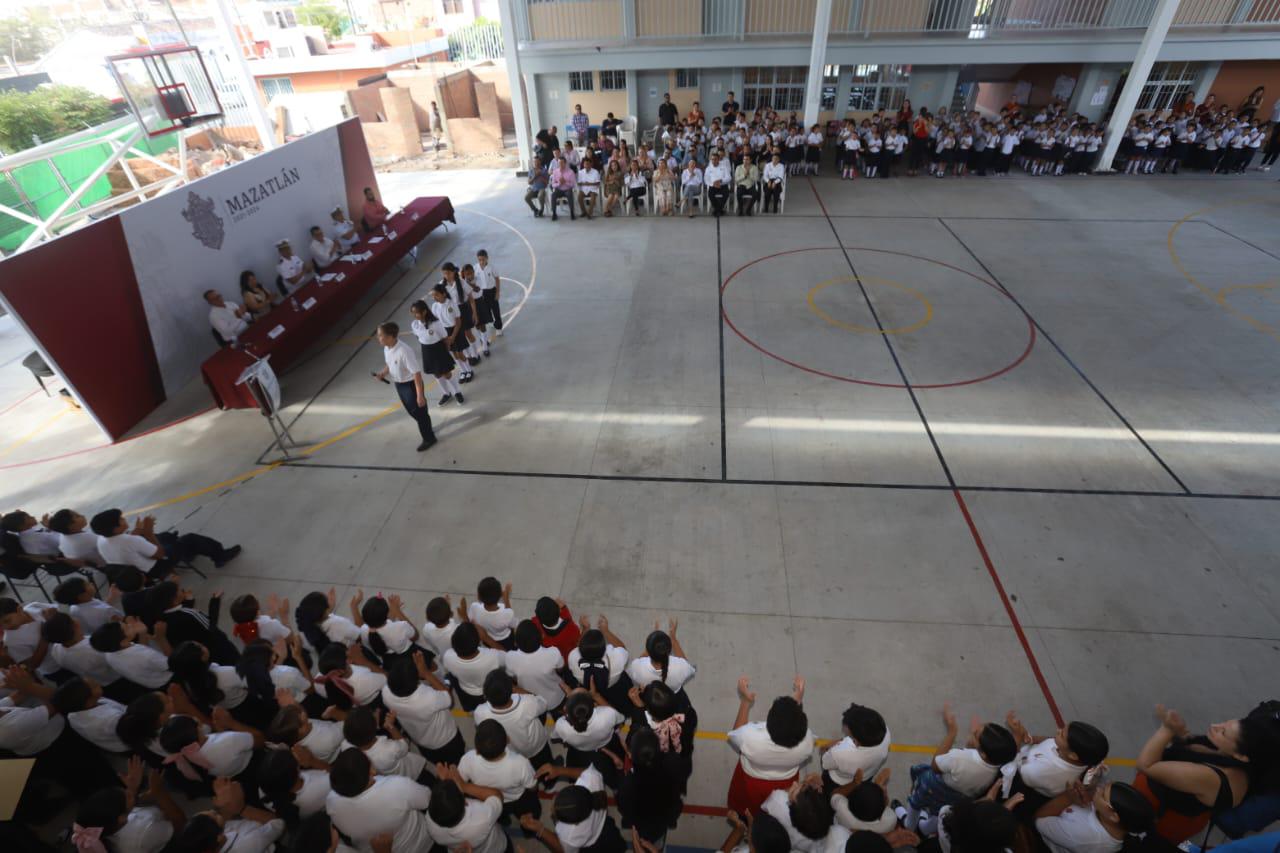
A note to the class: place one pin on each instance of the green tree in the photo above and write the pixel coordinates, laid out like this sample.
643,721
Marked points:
321,14
24,38
48,113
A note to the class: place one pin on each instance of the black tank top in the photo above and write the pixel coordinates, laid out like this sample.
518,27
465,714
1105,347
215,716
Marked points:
1188,804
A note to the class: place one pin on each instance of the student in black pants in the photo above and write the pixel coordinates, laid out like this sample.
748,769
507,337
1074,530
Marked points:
406,372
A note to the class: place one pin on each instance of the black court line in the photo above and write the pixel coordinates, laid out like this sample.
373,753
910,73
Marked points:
724,432
974,218
815,484
362,344
1080,372
893,354
1237,237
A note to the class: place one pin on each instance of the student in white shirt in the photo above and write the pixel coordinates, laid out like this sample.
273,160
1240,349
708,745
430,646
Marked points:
599,663
492,612
581,815
521,715
956,775
113,816
252,623
865,805
125,646
433,340
343,229
1046,767
1081,821
389,753
22,624
864,747
770,754
233,827
775,178
347,684
70,650
463,813
320,625
151,552
364,805
805,813
404,370
75,540
535,667
384,629
35,538
589,729
263,670
493,765
440,625
318,833
490,294
229,319
77,594
467,663
90,715
292,269
664,661
209,685
293,791
423,706
292,727
197,757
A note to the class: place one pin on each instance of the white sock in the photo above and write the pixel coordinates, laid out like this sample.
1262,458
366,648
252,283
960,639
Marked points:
929,826
451,385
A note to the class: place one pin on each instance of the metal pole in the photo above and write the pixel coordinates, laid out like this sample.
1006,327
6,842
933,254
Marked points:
1152,41
243,77
519,114
817,55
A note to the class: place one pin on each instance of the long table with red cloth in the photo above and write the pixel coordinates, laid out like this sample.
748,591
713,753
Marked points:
333,299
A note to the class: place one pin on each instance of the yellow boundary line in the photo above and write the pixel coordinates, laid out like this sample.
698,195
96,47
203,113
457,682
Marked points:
812,299
39,428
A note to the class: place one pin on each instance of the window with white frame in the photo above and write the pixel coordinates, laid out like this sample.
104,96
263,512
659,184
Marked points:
272,86
580,81
830,80
1167,84
879,87
780,88
686,78
613,81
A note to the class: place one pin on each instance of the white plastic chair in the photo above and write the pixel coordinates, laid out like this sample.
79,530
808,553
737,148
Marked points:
627,131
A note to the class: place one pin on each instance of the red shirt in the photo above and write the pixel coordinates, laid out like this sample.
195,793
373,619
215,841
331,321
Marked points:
566,639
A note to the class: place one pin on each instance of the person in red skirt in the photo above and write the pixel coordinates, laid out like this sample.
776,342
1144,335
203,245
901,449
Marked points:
770,754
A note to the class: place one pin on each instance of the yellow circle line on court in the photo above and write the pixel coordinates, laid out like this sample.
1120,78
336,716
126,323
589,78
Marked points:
1219,297
812,299
352,430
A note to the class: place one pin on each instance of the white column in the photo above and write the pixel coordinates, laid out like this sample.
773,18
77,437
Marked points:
519,115
1152,41
244,77
817,58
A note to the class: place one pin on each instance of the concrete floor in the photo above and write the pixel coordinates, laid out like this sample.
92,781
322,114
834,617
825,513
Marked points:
1099,444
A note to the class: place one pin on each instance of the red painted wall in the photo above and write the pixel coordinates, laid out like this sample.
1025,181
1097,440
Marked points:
357,168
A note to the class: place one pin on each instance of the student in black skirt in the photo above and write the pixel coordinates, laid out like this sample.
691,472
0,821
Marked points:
478,313
813,150
448,315
434,339
651,796
460,295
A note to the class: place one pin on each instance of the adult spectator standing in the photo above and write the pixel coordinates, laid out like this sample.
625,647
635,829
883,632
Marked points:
293,271
404,369
696,116
581,125
228,319
374,213
729,110
667,112
718,178
1250,105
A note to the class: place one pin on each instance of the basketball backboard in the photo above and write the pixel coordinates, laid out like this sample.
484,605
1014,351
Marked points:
167,89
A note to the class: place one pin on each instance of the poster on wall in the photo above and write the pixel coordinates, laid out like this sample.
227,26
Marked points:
1022,92
1100,97
1064,86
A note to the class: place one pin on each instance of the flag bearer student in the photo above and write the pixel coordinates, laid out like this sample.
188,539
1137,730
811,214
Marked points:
405,372
447,313
491,292
433,337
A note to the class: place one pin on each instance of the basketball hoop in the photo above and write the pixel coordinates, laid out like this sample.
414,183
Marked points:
168,89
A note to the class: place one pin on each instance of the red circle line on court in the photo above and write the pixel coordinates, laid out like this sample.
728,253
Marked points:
1031,326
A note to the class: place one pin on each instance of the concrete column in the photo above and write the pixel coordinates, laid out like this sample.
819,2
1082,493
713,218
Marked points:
535,106
244,77
1092,78
633,97
1152,41
1204,81
629,20
519,113
843,83
817,58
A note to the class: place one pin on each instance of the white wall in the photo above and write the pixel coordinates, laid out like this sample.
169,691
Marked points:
174,267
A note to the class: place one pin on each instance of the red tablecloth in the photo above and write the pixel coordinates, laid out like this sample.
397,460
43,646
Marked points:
333,299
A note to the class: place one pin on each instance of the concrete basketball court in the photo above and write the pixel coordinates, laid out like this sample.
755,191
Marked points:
1009,442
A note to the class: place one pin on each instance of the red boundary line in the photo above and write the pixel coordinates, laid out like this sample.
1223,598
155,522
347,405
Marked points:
1031,326
82,451
16,403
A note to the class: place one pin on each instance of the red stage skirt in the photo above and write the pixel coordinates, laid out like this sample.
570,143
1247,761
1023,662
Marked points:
747,793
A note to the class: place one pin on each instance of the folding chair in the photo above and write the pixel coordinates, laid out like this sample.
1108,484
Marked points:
16,565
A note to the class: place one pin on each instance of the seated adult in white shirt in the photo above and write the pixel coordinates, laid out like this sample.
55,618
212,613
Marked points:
324,250
228,319
719,180
588,187
343,229
75,540
691,184
1078,822
293,271
364,805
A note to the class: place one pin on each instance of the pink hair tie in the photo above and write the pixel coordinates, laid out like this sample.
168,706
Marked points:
87,839
669,733
188,759
338,682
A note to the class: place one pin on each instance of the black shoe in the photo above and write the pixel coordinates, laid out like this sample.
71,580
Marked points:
473,361
428,444
446,398
228,554
486,352
465,379
555,218
461,399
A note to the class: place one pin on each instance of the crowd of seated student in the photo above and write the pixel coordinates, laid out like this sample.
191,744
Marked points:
759,151
309,730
